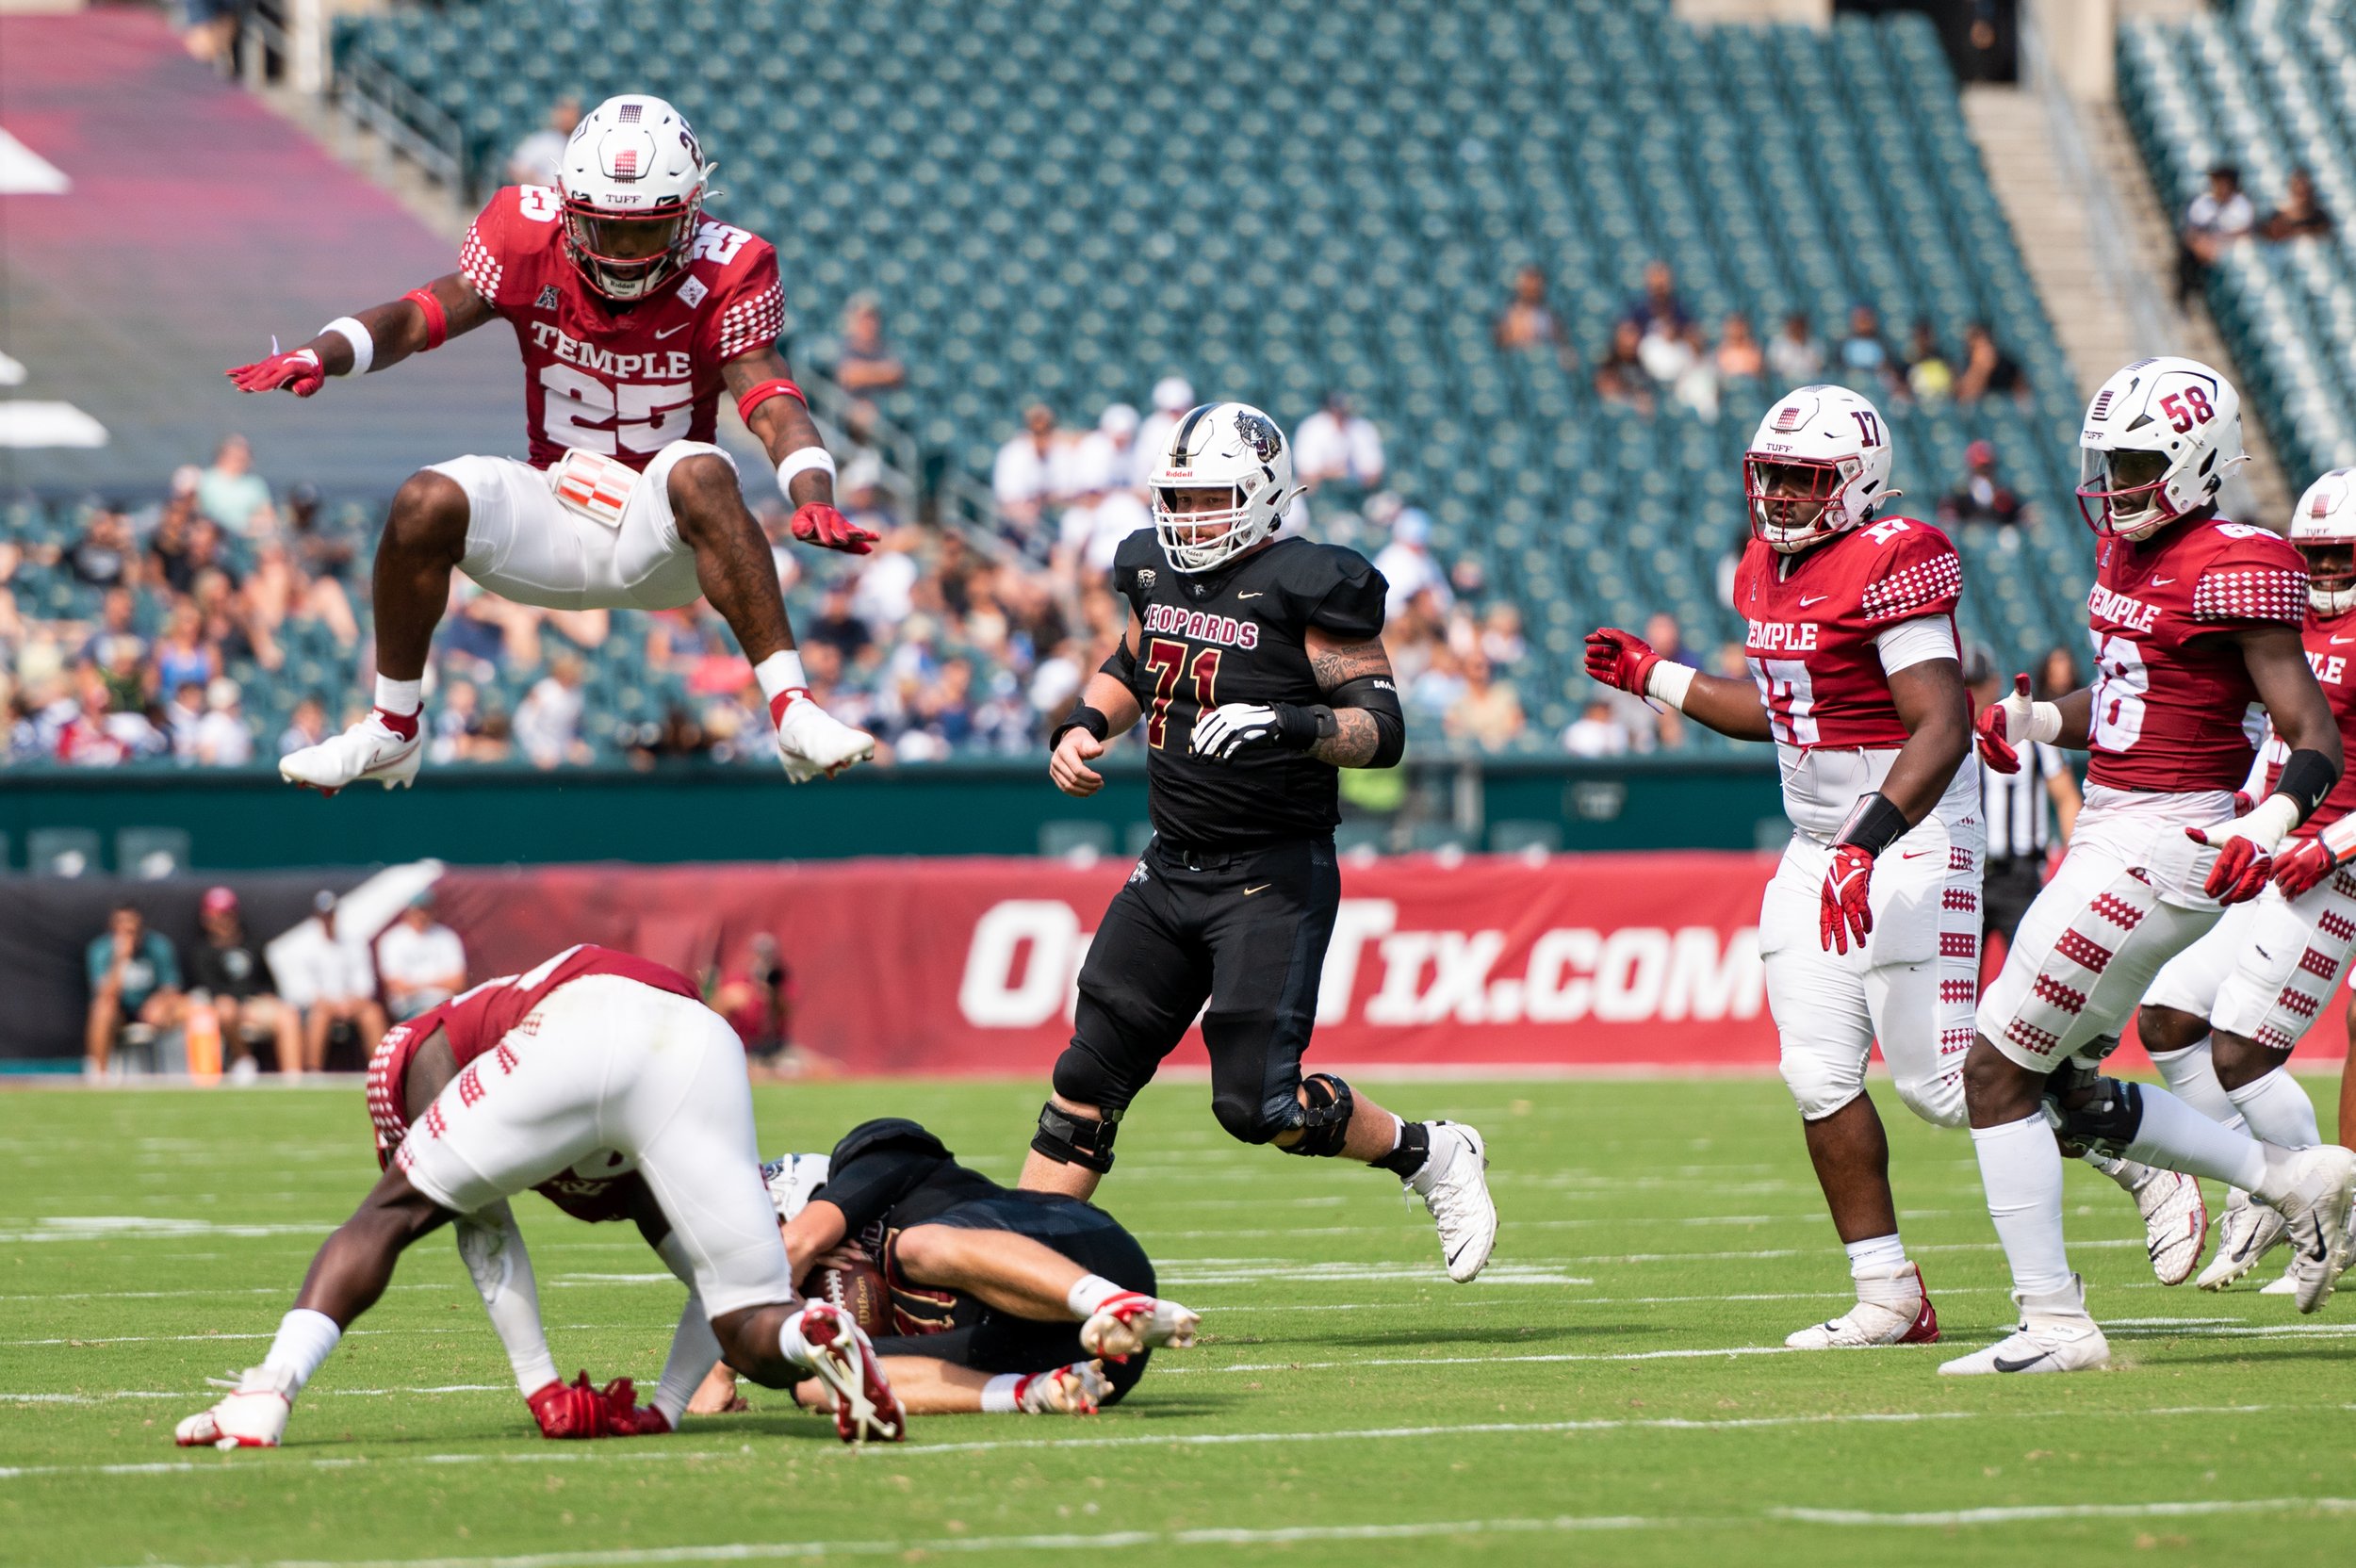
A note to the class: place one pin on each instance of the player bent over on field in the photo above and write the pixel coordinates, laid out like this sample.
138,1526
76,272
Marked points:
1256,666
633,312
1869,930
998,1300
2222,1018
595,1062
2195,621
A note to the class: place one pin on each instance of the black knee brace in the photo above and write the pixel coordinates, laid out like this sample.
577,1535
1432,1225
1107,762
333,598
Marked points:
2106,1123
1070,1139
1325,1120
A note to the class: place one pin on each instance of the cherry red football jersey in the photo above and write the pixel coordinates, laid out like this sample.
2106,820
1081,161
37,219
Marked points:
1811,620
2332,654
2174,708
627,382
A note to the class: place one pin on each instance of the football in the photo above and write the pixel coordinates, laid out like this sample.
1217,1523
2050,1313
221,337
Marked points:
848,1278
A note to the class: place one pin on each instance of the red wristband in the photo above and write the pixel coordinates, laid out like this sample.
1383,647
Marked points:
766,390
436,318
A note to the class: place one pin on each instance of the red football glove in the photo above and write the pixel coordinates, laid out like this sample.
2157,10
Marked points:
298,372
2243,801
819,523
2301,867
1991,726
626,1416
2241,870
1843,914
1620,659
571,1410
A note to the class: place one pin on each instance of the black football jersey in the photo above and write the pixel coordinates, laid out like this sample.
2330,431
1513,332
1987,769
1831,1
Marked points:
1238,634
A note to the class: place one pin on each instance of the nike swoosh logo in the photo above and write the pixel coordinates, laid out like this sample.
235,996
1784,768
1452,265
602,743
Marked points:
668,331
1806,602
2004,1365
1260,889
1913,853
2337,640
2162,581
1251,596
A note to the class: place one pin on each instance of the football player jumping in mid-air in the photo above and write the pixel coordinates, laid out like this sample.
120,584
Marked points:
1870,929
592,1069
1257,667
2195,622
2223,1015
633,311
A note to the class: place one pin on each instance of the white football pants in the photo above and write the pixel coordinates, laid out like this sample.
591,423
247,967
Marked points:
2270,965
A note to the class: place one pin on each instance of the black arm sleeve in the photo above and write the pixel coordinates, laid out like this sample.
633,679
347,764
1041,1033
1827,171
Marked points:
1121,664
1376,695
2307,777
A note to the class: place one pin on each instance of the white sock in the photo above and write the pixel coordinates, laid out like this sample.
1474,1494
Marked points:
1091,1292
998,1393
2277,1110
305,1338
779,672
2191,1077
694,1353
2174,1136
793,1346
2021,1168
1876,1252
399,697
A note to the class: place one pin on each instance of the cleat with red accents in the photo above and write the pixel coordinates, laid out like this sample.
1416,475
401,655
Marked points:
1075,1390
1892,1308
865,1409
253,1416
1133,1321
375,748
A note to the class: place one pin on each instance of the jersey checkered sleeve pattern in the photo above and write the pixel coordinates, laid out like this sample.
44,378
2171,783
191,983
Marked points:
2250,594
755,321
479,266
1923,588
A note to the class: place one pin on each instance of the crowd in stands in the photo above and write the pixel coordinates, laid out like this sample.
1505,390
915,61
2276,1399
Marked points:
2223,216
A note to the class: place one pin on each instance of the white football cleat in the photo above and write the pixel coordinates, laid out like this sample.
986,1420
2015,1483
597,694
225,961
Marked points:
254,1416
1892,1308
1133,1321
2246,1231
1454,1186
2056,1335
2285,1284
368,749
865,1409
814,743
2323,1186
1075,1390
2175,1222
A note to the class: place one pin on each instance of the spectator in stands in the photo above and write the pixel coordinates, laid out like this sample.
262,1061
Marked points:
1620,376
2057,674
227,971
225,740
1529,322
133,987
104,556
1930,379
1662,631
1488,711
233,495
539,157
83,738
167,546
1982,499
1862,357
1657,301
2300,216
307,725
2217,219
1596,731
422,961
1987,370
1029,475
1172,397
330,976
863,362
1407,563
1108,458
548,721
1795,358
1739,356
1501,641
755,996
1677,361
184,721
182,656
1338,444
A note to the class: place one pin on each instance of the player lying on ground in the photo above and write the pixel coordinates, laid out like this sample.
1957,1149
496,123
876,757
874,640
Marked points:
1258,666
982,1299
1869,930
594,1061
2195,620
633,311
2222,1018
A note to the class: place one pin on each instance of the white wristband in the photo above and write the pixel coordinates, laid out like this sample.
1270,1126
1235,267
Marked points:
803,460
363,346
1670,681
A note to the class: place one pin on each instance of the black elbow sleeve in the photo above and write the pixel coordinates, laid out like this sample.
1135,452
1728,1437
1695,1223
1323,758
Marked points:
2307,777
1121,664
1377,695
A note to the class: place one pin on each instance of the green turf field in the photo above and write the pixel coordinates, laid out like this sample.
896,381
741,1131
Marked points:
1611,1391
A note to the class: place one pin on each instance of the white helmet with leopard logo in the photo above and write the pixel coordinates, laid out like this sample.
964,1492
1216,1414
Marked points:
1231,448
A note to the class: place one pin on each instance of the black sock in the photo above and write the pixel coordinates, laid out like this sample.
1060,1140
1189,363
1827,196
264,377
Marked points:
1414,1148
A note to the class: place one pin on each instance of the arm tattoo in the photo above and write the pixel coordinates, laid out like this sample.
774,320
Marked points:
1339,663
1352,742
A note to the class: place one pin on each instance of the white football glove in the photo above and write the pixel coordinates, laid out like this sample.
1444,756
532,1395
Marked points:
1237,727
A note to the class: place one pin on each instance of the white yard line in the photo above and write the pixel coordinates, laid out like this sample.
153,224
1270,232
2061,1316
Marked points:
2030,1513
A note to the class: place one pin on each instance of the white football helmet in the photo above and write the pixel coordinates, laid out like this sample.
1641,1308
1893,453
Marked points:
2323,528
2160,437
792,1179
1818,466
1230,447
633,179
